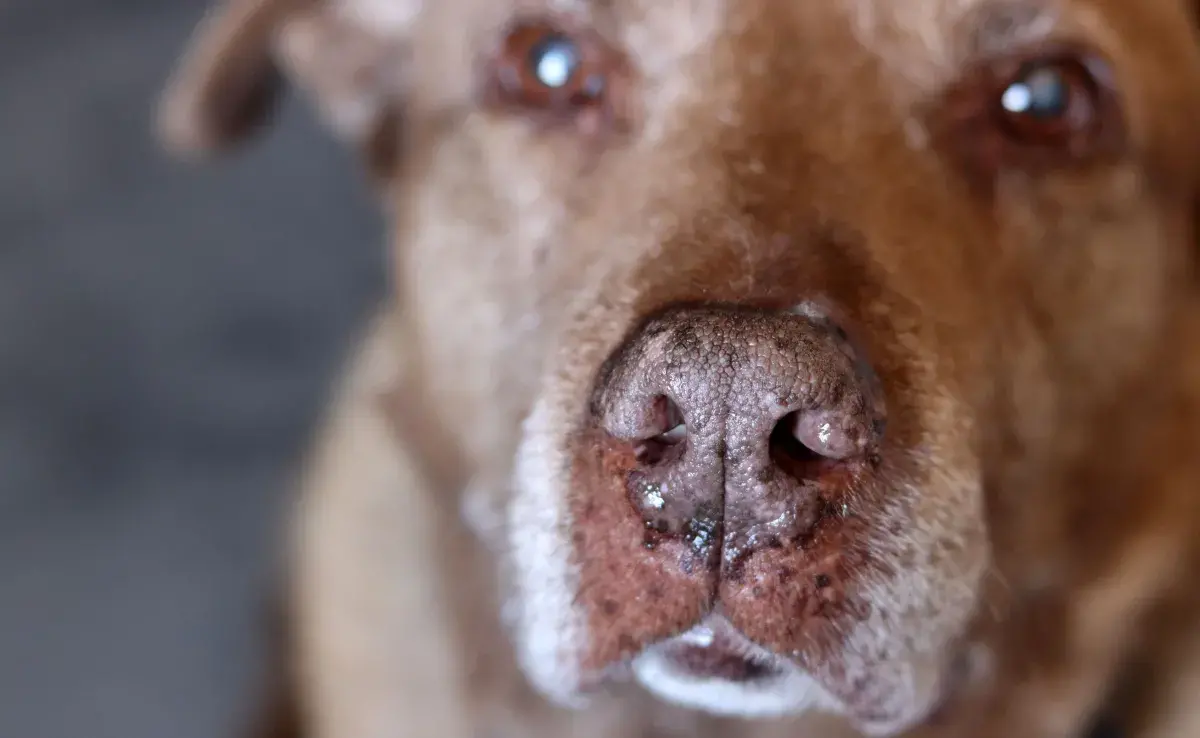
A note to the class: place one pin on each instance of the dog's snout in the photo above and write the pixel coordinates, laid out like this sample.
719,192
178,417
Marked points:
741,422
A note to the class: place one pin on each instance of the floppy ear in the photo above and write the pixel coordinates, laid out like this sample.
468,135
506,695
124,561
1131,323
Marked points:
347,56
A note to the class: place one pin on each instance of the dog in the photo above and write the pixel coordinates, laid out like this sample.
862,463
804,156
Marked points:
755,368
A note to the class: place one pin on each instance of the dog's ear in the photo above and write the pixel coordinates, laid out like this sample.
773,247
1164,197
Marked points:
246,52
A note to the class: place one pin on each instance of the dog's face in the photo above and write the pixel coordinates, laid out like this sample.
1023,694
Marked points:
807,311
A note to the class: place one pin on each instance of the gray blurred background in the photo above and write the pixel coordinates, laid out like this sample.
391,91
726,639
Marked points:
166,336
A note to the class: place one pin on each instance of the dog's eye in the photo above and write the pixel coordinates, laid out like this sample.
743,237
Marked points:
1056,107
1049,102
542,67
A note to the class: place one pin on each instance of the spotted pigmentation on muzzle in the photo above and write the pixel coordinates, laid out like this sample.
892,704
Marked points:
727,438
728,517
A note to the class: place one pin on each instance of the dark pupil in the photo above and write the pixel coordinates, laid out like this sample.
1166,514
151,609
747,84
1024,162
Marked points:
554,61
1042,93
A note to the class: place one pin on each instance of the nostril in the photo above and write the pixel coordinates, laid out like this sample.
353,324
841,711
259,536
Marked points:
793,456
668,442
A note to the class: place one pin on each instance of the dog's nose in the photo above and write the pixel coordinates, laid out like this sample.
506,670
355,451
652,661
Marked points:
740,422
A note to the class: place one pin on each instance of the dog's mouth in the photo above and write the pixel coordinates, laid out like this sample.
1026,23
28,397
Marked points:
713,667
714,650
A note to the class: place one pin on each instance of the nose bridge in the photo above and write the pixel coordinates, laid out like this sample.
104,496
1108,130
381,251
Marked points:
707,374
746,379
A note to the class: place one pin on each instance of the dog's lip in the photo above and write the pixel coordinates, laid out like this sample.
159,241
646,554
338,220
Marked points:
716,661
714,649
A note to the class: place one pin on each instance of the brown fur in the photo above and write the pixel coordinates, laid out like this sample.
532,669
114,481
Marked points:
1034,322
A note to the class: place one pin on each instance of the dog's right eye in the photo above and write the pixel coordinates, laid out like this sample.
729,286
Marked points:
542,67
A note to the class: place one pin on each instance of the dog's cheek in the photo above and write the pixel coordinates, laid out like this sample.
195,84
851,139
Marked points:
482,510
550,632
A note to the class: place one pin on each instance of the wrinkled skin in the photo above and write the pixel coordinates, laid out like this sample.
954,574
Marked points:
805,182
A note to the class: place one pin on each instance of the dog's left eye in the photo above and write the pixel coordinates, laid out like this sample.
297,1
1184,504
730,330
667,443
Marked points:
1036,111
543,67
1049,102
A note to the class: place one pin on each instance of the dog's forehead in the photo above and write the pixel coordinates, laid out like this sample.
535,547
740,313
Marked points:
921,41
919,44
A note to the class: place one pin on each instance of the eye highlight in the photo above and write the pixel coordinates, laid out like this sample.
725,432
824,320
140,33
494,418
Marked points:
1043,93
555,60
